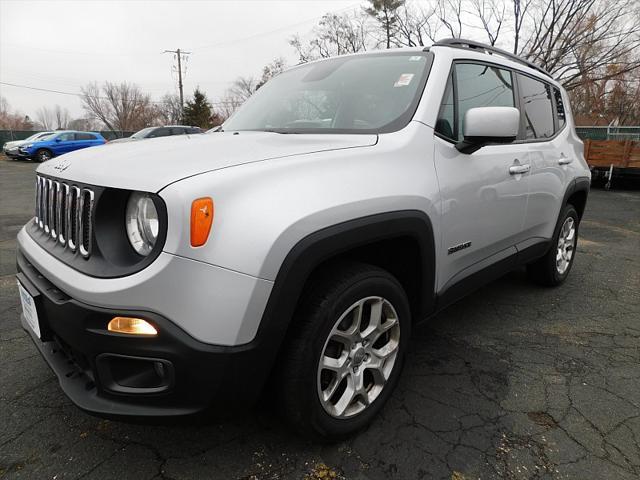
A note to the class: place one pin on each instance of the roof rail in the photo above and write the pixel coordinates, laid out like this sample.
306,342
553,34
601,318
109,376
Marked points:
471,44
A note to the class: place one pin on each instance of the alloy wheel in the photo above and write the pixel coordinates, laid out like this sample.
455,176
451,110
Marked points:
358,357
566,245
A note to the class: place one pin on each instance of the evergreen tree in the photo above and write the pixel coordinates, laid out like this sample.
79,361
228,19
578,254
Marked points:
197,112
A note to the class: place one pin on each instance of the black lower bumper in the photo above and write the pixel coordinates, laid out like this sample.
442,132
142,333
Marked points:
91,362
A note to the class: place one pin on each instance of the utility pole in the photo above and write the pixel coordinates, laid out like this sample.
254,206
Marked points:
179,54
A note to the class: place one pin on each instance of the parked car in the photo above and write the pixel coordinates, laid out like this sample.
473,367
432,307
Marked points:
155,132
294,251
57,143
10,149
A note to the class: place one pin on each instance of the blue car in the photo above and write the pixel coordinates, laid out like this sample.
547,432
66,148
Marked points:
58,143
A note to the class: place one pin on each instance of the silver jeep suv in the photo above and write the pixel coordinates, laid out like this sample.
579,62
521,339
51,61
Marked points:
294,250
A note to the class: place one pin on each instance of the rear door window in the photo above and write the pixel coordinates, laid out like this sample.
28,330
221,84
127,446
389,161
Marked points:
537,108
160,132
85,136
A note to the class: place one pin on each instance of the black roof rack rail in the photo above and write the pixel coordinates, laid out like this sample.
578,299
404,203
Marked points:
462,43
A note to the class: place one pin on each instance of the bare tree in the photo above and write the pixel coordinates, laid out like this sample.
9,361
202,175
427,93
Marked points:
416,26
169,109
120,107
4,107
492,15
56,118
576,40
243,87
13,120
87,124
226,106
45,118
62,117
271,70
334,35
450,13
520,8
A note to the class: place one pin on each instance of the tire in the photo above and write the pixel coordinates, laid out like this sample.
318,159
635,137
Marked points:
319,330
553,269
43,155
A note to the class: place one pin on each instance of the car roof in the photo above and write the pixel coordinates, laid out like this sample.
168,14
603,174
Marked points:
461,44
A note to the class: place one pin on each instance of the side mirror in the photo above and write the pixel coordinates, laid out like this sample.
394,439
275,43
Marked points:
485,125
58,140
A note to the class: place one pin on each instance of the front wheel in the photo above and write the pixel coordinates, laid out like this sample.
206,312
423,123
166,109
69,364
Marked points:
344,356
554,267
43,156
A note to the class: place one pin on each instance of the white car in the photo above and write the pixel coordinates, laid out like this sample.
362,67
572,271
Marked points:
295,249
11,149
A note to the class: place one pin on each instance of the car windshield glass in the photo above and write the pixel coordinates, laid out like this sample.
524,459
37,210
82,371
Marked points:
48,136
143,133
372,93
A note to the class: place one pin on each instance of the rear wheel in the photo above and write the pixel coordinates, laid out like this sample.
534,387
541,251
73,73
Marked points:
554,267
43,155
345,353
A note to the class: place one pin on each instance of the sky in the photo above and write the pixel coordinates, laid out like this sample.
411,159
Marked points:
63,45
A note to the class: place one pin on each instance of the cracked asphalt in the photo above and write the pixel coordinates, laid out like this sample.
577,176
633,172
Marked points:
515,381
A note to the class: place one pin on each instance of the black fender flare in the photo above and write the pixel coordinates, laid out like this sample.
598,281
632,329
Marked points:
578,184
323,245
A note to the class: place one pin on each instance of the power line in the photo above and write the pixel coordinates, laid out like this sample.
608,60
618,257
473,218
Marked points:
28,87
260,34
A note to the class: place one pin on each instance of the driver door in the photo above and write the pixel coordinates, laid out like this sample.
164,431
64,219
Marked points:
483,203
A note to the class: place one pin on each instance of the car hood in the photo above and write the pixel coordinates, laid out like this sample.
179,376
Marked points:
15,143
153,164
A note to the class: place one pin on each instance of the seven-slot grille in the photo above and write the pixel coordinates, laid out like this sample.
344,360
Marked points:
64,213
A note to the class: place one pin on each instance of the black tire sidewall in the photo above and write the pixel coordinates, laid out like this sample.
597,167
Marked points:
40,152
376,284
567,211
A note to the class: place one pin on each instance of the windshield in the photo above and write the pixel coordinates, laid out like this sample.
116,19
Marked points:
47,136
143,133
374,93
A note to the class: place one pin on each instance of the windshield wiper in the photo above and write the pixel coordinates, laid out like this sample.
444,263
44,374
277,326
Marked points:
280,131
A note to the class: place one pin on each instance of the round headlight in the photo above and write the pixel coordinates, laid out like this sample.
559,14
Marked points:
142,223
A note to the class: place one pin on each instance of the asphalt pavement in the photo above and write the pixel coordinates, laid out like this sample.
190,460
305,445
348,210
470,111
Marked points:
515,381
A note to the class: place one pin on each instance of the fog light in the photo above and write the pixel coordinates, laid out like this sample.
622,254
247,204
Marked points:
131,326
159,368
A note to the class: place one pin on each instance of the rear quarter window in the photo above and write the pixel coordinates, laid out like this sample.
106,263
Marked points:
560,113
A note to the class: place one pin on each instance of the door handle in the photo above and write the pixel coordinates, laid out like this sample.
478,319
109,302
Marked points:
518,169
564,160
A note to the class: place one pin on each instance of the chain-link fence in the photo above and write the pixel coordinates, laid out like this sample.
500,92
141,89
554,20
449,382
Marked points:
609,133
11,135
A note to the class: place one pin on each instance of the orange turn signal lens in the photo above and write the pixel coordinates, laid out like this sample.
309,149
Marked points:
201,220
131,326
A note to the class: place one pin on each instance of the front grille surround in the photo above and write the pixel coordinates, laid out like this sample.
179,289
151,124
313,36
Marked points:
64,212
83,226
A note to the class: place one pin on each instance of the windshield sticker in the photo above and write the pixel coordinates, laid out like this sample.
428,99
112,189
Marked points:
404,80
416,58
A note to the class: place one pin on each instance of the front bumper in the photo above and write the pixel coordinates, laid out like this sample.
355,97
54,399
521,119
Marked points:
89,360
13,153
